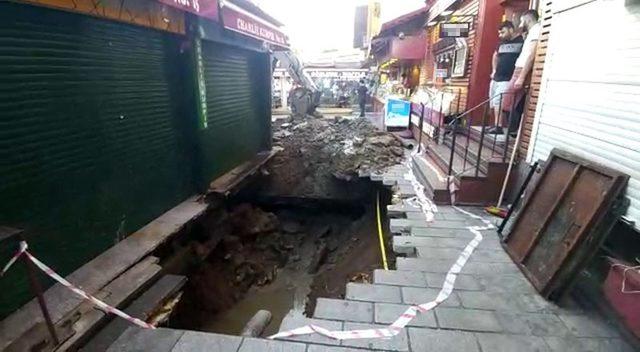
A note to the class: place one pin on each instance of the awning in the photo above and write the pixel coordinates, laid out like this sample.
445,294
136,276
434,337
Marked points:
438,7
237,19
203,8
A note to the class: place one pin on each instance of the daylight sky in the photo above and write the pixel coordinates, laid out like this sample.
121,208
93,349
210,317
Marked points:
316,25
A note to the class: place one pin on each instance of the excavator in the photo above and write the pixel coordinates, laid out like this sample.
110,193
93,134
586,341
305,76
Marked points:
305,97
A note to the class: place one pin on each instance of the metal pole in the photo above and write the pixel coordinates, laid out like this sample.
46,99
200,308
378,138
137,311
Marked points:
506,140
440,118
480,145
453,143
420,128
37,290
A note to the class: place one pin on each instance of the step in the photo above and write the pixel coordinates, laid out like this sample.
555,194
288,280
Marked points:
493,140
373,293
441,154
432,178
117,294
489,154
342,310
141,308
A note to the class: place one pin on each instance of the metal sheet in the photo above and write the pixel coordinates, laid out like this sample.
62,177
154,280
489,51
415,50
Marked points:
565,211
91,146
588,101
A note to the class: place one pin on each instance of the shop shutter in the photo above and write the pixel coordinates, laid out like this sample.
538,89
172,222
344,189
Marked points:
590,87
91,142
236,113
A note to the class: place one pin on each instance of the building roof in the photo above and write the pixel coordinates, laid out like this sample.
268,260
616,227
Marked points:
419,13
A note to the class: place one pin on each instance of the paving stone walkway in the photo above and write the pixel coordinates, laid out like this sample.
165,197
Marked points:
493,308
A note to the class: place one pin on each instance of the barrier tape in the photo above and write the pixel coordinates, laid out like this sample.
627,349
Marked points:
47,270
412,312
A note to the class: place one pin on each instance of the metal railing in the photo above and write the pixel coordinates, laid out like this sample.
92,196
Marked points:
478,148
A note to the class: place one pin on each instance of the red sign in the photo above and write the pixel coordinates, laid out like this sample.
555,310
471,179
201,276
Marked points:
238,20
203,8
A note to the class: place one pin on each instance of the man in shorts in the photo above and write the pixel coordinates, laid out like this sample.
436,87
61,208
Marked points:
524,64
503,63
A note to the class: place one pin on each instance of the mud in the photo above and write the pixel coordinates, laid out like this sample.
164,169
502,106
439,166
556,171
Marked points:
278,258
320,155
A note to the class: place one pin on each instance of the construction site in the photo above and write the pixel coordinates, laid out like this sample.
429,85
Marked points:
179,176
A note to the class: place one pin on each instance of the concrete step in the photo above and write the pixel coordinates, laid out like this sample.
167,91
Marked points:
406,225
432,178
373,293
343,310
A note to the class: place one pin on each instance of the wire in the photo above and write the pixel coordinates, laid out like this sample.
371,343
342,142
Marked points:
380,234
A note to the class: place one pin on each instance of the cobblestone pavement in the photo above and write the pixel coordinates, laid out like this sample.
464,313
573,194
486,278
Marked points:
493,307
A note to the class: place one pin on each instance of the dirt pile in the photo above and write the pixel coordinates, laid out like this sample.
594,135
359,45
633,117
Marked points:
319,153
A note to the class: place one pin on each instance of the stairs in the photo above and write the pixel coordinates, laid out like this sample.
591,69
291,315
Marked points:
477,173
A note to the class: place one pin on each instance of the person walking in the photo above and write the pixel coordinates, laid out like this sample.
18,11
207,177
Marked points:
362,96
503,64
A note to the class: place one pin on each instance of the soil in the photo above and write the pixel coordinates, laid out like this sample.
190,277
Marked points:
320,155
279,259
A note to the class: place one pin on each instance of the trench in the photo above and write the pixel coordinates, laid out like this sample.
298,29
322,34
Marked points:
280,254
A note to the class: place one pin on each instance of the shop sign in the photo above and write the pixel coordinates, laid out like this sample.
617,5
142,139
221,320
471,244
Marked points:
345,75
238,20
454,29
203,8
397,113
442,73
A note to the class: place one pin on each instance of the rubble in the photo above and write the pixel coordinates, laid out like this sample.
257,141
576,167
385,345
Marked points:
317,152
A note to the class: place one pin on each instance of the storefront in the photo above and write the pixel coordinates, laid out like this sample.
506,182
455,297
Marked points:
461,39
397,53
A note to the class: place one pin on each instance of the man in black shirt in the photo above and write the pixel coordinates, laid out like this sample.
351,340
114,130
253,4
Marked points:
504,62
362,96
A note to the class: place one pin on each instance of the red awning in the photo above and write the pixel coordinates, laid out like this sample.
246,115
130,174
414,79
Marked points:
203,8
236,19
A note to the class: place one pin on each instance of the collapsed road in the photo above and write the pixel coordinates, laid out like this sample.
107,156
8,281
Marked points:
291,235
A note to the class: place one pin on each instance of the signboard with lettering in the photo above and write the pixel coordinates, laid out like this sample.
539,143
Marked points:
397,113
238,20
203,8
454,29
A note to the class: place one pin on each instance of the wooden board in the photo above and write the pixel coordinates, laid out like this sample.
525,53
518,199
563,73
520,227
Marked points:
100,271
86,319
141,308
568,211
230,181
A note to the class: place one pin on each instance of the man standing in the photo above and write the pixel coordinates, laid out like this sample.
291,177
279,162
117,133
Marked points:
503,63
524,64
362,96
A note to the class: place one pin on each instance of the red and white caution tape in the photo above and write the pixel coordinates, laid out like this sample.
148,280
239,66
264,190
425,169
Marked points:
98,303
411,312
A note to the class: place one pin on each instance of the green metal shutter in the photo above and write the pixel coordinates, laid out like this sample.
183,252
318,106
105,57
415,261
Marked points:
92,134
236,114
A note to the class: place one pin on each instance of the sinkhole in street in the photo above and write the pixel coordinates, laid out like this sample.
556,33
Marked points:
280,254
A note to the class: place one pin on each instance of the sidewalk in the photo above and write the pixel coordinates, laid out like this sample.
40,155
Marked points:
493,308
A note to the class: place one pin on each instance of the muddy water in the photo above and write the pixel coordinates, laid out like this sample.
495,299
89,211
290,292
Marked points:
216,300
288,292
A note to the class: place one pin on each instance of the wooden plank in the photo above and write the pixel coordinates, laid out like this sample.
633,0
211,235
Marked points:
101,270
228,182
141,308
116,294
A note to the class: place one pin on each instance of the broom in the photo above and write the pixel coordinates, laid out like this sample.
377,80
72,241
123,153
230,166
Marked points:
497,210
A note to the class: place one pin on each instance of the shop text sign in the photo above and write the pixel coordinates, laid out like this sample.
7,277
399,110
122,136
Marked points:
203,8
240,22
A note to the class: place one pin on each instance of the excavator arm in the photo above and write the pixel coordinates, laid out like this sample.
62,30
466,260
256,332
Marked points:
306,96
